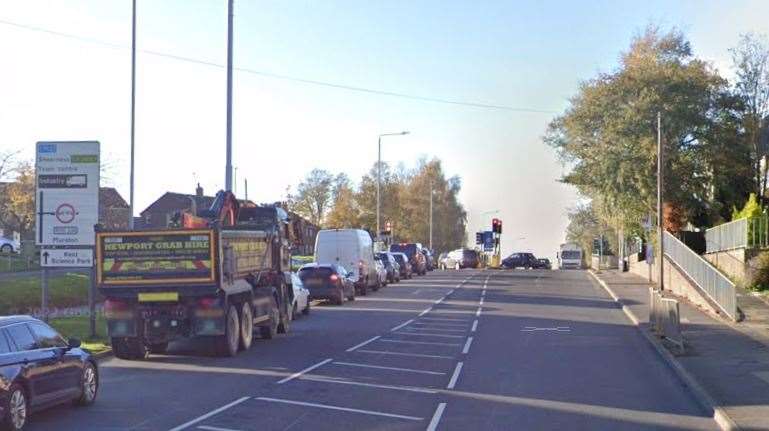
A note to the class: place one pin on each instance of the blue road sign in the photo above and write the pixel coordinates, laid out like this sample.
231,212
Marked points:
488,241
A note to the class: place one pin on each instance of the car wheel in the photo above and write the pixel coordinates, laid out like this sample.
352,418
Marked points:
457,267
339,300
89,385
130,348
16,408
229,342
295,311
306,310
378,284
6,248
246,326
285,320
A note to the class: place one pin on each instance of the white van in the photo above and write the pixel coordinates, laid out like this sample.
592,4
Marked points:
353,249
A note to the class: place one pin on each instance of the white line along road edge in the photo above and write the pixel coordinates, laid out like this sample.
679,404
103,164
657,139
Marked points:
455,376
357,346
436,417
306,370
209,414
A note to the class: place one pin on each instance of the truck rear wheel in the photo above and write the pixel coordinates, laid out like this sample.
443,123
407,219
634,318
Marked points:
269,331
285,320
129,348
229,342
246,326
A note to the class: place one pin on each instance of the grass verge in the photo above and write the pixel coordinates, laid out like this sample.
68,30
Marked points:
79,327
23,294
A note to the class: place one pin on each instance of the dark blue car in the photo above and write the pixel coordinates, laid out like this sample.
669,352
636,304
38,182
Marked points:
39,369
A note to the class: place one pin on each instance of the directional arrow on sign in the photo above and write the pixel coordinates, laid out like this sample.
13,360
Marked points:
45,257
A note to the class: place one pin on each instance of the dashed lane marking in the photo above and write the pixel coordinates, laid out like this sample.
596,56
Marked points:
445,319
210,428
328,379
414,355
555,329
343,409
370,340
478,313
423,334
306,370
381,367
455,376
475,325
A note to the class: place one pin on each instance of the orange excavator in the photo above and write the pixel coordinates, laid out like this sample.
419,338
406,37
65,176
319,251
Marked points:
222,213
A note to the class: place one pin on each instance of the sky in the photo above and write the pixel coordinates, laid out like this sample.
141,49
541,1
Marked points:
65,75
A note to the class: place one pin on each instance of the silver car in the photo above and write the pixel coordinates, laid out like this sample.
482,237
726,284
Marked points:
8,245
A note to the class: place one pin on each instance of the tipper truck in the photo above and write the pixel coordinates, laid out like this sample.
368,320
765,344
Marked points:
221,274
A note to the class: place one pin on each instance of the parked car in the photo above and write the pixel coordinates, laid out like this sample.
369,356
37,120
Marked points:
414,253
40,369
429,259
391,266
301,296
9,245
519,260
543,263
405,266
381,271
327,281
461,258
354,250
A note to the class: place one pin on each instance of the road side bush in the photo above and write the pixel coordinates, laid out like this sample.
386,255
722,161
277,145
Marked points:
757,276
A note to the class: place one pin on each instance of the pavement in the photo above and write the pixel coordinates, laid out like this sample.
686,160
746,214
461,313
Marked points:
728,361
454,350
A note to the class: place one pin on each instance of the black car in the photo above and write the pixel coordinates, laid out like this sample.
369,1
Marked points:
391,266
413,252
403,262
39,369
542,263
520,260
327,281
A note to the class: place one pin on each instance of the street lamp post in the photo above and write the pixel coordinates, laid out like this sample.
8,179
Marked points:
228,166
133,111
431,216
379,177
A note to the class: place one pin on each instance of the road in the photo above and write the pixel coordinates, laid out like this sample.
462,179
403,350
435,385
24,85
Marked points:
455,350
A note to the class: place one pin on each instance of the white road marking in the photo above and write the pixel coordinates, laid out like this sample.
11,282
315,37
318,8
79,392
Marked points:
422,334
442,325
475,326
555,329
425,311
478,313
372,339
429,343
370,385
209,414
436,329
210,428
446,319
401,325
416,355
306,370
483,293
481,303
455,376
380,367
436,417
343,409
438,301
467,345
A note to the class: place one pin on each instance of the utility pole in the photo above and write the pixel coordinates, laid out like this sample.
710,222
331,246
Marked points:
660,222
431,216
228,167
133,112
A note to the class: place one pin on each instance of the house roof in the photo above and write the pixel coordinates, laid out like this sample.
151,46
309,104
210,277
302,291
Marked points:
110,198
171,201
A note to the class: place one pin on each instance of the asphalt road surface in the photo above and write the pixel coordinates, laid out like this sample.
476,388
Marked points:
455,350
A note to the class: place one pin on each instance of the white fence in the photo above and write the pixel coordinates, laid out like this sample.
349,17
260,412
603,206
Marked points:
719,288
743,233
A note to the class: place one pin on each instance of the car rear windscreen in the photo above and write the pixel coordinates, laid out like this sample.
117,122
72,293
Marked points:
315,273
408,249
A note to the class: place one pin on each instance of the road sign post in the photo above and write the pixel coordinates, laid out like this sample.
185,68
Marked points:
67,209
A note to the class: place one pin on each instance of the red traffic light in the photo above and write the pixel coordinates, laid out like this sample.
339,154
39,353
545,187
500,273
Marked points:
496,225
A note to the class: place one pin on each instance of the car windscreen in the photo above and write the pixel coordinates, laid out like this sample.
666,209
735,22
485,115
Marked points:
571,254
407,249
398,258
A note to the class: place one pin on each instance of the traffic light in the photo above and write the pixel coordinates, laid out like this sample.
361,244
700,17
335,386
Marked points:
479,237
496,225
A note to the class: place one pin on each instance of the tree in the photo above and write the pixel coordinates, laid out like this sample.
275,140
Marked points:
608,134
313,196
751,63
344,211
17,200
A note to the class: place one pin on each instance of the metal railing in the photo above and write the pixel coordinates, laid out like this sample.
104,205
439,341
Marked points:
718,288
743,233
